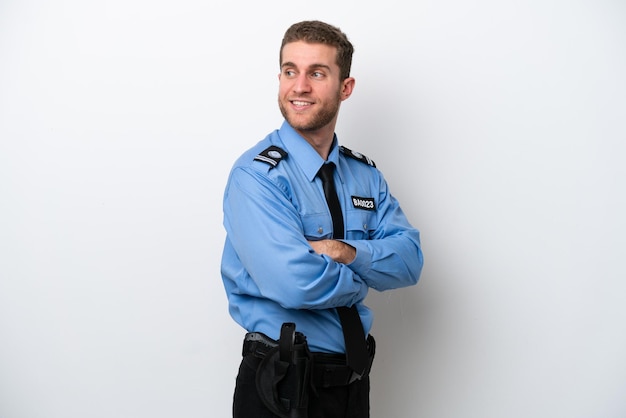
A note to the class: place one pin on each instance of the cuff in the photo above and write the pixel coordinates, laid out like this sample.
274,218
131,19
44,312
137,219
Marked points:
362,263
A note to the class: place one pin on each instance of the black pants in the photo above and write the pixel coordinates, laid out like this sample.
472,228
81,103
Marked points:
349,401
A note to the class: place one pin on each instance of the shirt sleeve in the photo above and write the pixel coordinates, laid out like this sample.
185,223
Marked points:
273,258
392,257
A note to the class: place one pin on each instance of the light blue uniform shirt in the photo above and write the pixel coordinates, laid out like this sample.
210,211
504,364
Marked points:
272,275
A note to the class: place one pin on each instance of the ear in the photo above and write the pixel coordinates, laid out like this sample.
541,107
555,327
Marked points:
347,86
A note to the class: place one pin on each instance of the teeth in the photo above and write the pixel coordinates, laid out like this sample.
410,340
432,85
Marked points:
300,103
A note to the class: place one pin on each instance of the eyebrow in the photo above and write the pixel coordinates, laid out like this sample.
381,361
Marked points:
311,67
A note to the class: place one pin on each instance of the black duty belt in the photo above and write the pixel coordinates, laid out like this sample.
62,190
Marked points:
328,369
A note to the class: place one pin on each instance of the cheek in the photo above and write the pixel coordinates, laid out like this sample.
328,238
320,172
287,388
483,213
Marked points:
283,89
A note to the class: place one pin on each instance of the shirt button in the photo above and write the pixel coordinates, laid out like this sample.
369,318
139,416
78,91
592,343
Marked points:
320,230
364,226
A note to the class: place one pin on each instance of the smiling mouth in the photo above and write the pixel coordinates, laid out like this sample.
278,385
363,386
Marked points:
299,103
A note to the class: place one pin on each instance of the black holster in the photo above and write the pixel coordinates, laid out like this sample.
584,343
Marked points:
283,378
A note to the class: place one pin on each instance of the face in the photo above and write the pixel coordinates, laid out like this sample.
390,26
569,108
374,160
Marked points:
310,91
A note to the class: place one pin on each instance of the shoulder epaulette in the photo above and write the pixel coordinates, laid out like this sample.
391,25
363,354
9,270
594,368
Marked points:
272,155
356,155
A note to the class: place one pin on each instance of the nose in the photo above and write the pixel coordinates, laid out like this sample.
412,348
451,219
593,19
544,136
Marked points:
301,84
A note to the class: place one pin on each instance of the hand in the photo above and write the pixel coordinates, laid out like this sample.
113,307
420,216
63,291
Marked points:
339,251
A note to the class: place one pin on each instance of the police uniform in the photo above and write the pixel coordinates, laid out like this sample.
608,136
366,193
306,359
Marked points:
274,204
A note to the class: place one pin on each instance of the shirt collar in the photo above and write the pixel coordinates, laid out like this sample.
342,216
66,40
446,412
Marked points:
304,154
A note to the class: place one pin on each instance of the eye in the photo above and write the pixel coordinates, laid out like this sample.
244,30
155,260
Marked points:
317,74
288,72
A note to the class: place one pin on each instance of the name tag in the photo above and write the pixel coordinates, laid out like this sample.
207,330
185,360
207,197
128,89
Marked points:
366,203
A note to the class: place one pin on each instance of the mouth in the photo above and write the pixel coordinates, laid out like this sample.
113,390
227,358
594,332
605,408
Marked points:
300,104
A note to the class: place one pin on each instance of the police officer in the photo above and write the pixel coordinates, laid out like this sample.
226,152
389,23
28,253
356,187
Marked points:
288,260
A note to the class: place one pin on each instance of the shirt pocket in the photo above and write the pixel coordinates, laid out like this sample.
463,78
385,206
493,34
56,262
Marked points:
360,224
317,226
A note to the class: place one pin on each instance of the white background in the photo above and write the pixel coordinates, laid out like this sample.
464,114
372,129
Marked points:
499,125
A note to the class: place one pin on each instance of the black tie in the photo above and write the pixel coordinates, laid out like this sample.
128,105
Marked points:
357,356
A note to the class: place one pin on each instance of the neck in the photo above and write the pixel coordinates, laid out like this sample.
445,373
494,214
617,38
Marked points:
321,140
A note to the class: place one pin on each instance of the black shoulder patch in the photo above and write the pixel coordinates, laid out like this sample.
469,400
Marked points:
271,155
357,156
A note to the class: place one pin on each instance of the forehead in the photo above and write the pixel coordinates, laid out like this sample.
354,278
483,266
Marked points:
304,54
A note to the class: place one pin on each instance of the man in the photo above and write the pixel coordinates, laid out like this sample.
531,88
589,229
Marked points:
290,262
